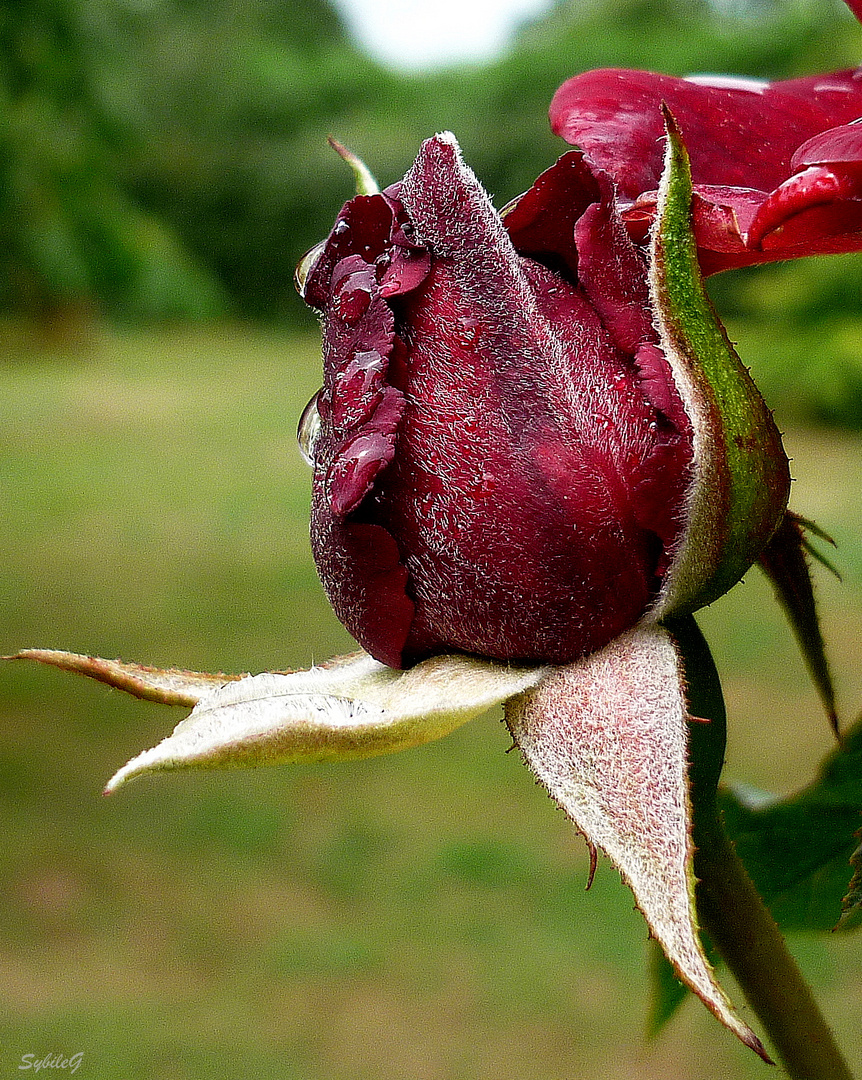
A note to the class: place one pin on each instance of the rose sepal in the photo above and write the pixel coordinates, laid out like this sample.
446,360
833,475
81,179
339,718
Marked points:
741,480
351,707
607,737
785,561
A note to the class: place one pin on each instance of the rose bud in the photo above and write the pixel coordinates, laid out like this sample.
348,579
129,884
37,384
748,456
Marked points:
503,456
533,442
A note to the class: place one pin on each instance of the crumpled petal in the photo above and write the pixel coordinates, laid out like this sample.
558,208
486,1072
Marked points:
354,707
607,737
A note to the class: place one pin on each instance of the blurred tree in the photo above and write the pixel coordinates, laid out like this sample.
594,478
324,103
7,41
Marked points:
125,125
243,92
71,240
240,96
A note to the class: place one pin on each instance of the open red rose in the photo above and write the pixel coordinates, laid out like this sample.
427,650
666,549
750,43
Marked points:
503,456
777,167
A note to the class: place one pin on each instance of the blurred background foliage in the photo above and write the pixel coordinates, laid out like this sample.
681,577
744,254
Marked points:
167,158
163,164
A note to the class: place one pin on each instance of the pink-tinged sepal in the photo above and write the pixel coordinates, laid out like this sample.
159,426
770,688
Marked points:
607,737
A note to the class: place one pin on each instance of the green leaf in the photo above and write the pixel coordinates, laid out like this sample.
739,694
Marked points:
798,850
851,905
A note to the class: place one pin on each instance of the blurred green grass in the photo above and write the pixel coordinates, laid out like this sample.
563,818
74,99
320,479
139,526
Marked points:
420,916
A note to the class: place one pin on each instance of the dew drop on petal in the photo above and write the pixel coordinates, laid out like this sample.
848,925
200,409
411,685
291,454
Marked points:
351,475
353,295
308,430
424,506
358,389
306,265
467,331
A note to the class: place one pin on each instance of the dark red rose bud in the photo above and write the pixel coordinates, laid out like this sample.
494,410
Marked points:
777,167
502,457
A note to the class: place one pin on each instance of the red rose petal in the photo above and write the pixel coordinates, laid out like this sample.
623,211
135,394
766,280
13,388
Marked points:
542,220
838,144
815,186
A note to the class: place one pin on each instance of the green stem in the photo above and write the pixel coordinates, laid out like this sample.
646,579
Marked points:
751,944
728,905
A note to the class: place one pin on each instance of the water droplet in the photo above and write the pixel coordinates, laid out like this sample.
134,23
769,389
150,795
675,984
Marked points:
308,430
467,331
353,472
342,228
603,421
424,506
353,295
305,265
487,485
358,389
